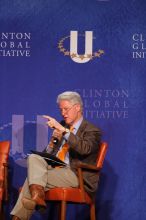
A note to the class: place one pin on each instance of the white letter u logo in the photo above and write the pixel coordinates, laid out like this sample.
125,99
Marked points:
88,47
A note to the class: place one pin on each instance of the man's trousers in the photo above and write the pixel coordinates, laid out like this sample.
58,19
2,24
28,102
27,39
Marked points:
39,172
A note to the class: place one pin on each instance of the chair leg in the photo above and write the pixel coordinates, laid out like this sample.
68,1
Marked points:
2,214
63,210
92,211
0,206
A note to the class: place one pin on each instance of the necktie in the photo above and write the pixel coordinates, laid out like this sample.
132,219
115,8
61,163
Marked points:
62,153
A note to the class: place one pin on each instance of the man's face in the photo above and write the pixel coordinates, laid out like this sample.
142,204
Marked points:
71,113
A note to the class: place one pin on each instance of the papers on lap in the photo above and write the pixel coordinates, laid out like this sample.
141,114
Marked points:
51,159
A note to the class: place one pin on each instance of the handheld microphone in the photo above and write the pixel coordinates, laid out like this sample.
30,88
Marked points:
55,140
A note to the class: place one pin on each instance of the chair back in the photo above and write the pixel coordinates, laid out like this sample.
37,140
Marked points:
4,151
101,155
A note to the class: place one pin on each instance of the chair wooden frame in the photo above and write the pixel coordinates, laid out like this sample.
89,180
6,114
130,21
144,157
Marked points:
78,195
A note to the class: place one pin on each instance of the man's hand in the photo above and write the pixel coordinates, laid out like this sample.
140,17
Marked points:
52,123
57,134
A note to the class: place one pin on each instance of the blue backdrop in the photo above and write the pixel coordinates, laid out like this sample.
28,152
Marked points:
37,63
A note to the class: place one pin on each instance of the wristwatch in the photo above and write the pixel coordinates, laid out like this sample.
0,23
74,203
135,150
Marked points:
66,131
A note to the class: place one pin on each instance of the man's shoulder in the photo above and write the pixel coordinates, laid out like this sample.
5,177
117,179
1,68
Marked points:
89,125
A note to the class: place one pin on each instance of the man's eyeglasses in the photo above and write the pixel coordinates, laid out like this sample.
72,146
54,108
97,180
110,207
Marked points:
66,110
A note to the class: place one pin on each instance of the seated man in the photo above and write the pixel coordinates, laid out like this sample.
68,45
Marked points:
76,140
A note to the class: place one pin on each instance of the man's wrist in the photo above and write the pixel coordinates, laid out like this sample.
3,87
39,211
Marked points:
66,130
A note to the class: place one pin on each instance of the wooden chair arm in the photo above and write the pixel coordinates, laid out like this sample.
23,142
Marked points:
81,167
87,166
81,182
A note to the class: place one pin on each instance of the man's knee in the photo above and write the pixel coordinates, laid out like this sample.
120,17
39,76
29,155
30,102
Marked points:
33,158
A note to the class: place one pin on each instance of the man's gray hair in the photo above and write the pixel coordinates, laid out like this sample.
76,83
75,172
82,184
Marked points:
72,97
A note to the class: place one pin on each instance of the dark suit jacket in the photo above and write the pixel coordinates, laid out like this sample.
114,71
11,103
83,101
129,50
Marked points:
84,147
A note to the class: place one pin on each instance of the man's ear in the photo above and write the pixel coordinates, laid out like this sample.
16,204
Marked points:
78,107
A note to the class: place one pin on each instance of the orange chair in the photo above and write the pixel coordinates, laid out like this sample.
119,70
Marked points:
78,195
4,153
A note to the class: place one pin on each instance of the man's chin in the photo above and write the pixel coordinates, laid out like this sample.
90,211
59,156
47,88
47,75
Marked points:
67,121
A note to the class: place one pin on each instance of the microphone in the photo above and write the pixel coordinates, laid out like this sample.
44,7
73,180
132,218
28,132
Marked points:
55,140
51,144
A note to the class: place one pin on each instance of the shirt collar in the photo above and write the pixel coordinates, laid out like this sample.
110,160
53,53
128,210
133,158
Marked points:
77,124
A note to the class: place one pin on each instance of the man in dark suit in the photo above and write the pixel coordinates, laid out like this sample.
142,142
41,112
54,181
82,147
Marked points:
73,140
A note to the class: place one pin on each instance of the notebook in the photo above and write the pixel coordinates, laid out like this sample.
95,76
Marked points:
51,159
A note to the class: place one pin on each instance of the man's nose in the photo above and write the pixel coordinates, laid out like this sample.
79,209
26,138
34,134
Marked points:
63,112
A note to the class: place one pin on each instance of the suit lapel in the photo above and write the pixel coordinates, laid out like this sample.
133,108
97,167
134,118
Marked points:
82,127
